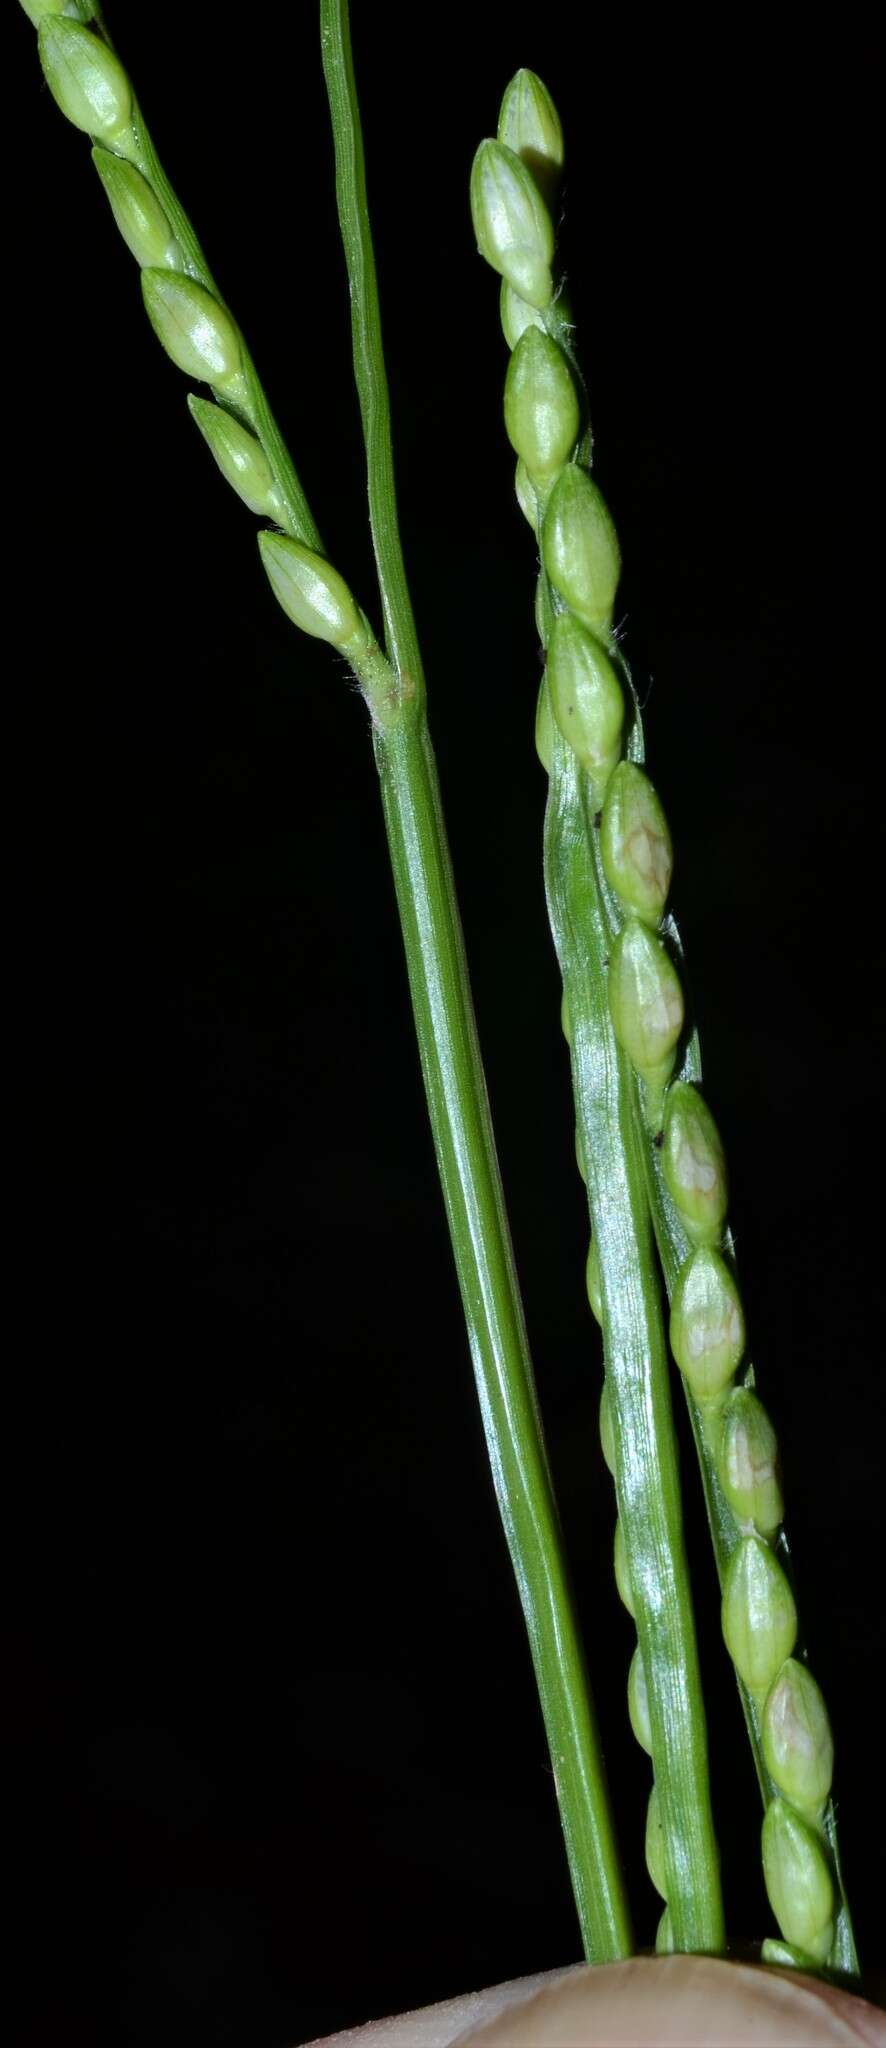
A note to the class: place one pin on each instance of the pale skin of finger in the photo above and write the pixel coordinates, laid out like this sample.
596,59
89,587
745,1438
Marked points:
439,2026
665,2002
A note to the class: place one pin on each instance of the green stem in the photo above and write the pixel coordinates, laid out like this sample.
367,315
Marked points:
463,1139
401,638
457,1101
647,1476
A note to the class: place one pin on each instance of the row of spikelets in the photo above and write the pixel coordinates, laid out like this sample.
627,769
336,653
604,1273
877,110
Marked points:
513,178
91,87
583,693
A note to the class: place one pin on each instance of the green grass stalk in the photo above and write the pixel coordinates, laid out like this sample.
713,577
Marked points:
456,1094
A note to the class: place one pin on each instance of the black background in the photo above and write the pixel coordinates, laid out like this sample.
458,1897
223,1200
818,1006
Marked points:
274,1728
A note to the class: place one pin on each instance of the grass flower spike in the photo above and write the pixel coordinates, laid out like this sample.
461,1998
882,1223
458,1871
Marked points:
313,595
196,332
635,844
748,1462
512,223
529,124
580,549
798,1881
694,1165
585,697
517,315
797,1741
541,406
137,212
646,1005
36,10
638,1701
240,457
759,1615
609,862
87,82
579,734
707,1325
